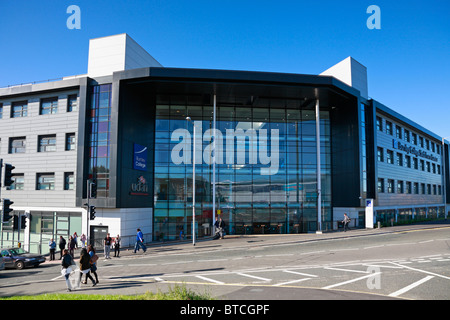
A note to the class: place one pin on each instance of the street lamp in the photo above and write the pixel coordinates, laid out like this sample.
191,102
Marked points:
193,182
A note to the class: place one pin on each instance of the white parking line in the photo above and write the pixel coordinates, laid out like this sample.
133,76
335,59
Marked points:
350,281
348,270
411,286
290,282
254,277
210,280
301,274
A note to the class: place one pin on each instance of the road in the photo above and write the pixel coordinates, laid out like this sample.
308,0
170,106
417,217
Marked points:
411,262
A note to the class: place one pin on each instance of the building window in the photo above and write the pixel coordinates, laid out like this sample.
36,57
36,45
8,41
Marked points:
70,141
99,144
433,168
19,109
380,154
69,181
380,185
399,159
49,106
434,189
433,147
440,190
18,181
416,188
415,163
379,124
72,103
390,187
47,143
408,187
428,166
389,127
429,188
408,161
398,132
407,139
45,181
422,165
438,169
17,145
1,110
390,157
427,144
414,138
421,142
399,186
422,187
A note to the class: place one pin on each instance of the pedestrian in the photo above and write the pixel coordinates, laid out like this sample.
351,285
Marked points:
62,246
85,265
107,243
221,228
139,241
71,246
346,221
66,267
117,246
93,261
83,240
52,246
75,238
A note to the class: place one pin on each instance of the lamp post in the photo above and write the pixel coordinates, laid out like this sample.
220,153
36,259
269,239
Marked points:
193,182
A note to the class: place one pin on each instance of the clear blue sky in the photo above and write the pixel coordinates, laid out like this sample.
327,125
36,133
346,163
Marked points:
407,60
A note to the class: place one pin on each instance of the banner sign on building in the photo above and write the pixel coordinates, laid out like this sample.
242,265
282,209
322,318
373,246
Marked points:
140,157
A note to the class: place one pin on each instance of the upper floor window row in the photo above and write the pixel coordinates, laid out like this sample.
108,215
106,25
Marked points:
46,143
407,135
51,105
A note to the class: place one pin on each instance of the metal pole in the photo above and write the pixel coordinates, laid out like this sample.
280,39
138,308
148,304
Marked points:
444,180
319,182
87,212
214,166
193,181
193,191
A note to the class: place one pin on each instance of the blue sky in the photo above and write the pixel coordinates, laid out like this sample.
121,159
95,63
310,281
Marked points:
407,59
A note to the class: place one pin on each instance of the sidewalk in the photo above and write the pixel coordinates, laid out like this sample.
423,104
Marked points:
258,240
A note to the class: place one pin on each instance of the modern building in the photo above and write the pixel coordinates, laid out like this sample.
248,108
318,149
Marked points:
274,152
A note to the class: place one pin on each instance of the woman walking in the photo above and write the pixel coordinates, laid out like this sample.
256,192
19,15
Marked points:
93,262
66,267
85,265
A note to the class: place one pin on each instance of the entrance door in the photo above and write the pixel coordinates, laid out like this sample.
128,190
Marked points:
98,233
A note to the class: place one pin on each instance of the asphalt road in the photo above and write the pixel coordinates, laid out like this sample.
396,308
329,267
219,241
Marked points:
410,262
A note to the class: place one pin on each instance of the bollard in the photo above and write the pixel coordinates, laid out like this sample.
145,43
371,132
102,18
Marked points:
379,225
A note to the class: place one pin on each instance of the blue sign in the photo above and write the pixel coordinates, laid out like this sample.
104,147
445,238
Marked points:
140,157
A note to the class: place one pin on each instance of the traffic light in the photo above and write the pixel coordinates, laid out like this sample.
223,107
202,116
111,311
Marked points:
92,212
6,210
8,175
23,222
93,189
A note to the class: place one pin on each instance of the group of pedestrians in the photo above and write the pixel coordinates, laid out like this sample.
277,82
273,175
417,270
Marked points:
88,258
87,265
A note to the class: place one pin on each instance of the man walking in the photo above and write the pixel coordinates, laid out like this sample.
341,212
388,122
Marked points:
346,221
139,241
107,243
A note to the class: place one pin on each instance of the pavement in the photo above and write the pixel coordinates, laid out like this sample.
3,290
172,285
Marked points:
260,240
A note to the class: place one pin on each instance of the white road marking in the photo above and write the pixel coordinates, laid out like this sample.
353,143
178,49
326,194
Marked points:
351,281
411,286
254,277
210,280
290,282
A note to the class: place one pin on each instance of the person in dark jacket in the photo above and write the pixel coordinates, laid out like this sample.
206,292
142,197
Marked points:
66,267
62,246
85,265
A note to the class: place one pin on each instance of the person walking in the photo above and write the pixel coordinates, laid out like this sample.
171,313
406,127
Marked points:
52,246
117,246
139,241
93,261
221,228
83,240
62,246
85,265
71,246
346,221
107,244
66,267
75,238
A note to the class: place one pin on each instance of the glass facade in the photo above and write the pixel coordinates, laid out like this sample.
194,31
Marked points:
266,166
100,137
